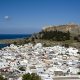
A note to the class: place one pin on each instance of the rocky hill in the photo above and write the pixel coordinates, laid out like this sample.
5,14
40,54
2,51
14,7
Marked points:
72,28
59,33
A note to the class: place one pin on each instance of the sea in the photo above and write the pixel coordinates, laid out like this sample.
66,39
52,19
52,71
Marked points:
11,36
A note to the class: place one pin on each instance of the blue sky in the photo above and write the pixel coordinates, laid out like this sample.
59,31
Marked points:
29,16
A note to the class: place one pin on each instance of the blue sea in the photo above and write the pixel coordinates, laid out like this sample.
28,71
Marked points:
12,36
4,45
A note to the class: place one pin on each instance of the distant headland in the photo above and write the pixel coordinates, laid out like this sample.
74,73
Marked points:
50,35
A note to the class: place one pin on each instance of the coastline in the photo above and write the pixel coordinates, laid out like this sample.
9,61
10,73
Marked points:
47,42
9,41
11,38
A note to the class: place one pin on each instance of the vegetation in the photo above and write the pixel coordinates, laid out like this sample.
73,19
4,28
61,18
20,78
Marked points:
55,35
2,78
67,35
22,68
78,52
77,38
78,73
32,76
66,45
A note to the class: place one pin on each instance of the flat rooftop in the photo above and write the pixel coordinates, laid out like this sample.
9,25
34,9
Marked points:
66,78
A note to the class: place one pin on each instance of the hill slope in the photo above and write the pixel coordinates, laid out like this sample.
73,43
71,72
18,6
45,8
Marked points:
72,28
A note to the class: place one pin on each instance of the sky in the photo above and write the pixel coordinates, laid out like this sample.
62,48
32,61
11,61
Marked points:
29,16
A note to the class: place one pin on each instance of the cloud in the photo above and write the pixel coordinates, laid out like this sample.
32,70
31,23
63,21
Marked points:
6,17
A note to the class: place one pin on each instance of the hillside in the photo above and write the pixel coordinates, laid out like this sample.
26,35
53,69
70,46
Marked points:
61,34
53,35
72,28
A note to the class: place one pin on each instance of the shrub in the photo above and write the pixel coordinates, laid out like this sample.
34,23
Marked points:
32,76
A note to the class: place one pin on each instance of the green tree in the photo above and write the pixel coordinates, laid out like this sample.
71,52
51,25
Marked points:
55,35
26,77
15,42
2,78
22,68
78,73
35,77
32,76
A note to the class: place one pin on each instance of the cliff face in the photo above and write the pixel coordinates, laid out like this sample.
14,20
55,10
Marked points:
73,28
